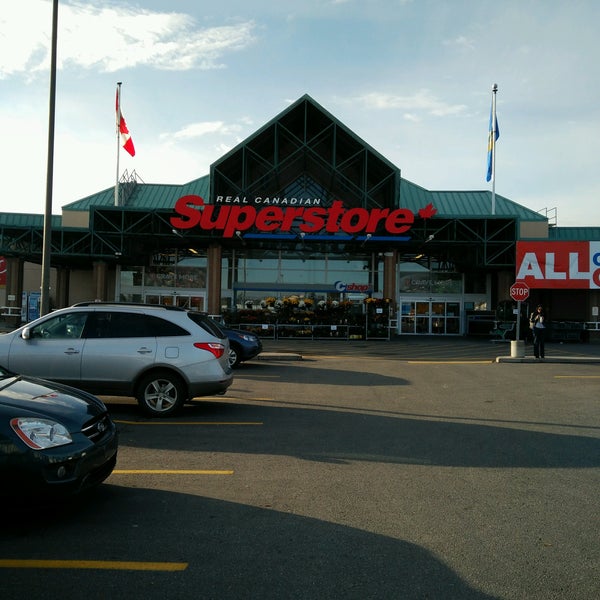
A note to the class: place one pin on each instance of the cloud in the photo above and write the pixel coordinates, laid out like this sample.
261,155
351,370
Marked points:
25,32
196,130
422,101
110,38
461,42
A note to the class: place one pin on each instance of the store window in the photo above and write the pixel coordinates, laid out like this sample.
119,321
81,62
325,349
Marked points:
259,274
169,274
281,268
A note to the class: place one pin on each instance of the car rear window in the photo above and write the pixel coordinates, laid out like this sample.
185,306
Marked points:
207,324
119,324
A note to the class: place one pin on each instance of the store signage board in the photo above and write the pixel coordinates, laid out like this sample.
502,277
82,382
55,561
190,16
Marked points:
233,219
559,265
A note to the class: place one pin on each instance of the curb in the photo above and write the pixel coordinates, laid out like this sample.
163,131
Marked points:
278,356
292,356
552,359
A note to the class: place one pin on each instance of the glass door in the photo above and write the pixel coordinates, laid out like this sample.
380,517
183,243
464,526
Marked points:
429,317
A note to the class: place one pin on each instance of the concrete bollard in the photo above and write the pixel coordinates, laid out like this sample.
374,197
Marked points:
517,349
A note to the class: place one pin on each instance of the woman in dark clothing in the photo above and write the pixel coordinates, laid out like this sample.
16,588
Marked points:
537,322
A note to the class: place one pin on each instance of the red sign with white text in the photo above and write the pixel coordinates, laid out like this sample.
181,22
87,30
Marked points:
519,291
559,265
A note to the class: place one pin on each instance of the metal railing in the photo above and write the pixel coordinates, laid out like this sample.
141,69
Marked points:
315,332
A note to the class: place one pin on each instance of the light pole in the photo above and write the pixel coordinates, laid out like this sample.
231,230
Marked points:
45,284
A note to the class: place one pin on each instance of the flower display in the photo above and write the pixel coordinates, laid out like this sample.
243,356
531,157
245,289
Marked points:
291,301
377,302
297,315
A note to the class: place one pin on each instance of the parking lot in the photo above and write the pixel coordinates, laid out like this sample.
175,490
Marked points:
364,471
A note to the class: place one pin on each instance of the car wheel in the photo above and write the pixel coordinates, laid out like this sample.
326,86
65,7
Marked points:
161,394
234,356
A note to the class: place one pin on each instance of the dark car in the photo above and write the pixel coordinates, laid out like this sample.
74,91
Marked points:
55,441
242,345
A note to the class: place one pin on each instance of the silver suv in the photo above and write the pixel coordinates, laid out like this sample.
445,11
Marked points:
164,356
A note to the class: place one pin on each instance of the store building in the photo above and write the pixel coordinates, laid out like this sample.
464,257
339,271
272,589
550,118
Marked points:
306,230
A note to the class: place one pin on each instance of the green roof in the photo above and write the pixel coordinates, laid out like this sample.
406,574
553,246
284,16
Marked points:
28,220
147,196
470,204
449,204
574,234
479,204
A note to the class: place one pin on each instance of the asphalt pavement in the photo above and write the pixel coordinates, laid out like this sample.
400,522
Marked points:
431,348
363,470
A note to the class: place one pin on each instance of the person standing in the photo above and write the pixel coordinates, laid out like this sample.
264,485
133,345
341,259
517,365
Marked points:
537,322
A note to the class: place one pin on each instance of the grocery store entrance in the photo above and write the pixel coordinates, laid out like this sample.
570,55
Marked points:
425,316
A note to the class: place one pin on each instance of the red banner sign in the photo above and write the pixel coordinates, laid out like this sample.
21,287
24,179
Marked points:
559,265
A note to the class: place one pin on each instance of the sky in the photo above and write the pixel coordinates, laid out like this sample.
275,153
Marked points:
411,78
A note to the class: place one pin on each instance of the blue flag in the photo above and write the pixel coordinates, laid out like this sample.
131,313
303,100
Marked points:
493,135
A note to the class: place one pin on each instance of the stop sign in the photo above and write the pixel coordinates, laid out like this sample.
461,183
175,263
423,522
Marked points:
519,291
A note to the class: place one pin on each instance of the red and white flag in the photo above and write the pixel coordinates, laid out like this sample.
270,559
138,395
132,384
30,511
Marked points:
126,140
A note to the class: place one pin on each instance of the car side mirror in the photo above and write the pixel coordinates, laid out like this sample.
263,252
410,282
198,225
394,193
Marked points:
26,333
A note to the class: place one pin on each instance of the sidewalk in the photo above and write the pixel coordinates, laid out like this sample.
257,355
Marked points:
428,348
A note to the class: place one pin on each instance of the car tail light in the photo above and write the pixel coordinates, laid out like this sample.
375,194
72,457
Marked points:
214,347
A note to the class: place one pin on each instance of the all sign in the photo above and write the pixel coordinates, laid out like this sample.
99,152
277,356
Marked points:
519,291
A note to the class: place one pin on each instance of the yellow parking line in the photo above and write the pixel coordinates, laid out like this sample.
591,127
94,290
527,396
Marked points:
92,564
577,377
449,362
252,398
171,472
188,422
338,356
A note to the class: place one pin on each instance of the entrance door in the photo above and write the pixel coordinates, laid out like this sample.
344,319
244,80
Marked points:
429,317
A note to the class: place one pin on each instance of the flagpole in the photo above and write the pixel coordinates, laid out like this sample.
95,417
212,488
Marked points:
494,129
117,114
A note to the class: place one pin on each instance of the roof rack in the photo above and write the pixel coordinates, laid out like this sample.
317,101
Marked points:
145,305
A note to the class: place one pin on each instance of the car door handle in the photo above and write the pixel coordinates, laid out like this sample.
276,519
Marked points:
71,351
144,350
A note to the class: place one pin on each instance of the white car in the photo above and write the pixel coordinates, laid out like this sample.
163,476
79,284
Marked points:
164,356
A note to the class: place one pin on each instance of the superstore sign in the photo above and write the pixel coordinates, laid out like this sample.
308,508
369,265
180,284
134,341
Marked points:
559,265
235,219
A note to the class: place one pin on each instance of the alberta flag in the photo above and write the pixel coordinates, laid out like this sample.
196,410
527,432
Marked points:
493,135
126,140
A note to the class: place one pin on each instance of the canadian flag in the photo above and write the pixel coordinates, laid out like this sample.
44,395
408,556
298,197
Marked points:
126,140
